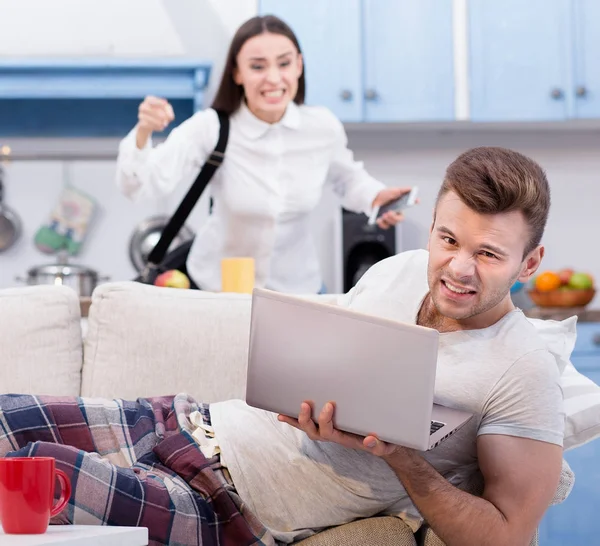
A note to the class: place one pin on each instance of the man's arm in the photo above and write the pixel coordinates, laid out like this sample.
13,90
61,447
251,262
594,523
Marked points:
520,476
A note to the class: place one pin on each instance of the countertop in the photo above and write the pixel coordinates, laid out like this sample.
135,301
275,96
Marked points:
559,313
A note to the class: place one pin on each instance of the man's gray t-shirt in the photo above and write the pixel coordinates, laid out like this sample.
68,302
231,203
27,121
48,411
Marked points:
503,374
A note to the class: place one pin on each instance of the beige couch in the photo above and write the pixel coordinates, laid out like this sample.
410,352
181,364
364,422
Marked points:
133,335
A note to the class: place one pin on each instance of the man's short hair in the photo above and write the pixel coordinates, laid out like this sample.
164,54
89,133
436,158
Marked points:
492,180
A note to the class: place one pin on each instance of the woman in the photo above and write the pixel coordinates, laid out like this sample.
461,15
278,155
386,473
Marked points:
279,155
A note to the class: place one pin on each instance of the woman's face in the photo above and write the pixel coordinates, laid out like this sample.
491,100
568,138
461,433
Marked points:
268,67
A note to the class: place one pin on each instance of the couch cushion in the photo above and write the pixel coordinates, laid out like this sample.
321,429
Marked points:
143,341
375,531
40,337
146,341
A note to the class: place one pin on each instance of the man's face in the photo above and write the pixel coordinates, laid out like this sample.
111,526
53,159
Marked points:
474,260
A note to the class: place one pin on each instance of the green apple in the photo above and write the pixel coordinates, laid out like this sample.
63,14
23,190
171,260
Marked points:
173,279
581,281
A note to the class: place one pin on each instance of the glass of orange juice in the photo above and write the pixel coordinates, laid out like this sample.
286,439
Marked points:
237,275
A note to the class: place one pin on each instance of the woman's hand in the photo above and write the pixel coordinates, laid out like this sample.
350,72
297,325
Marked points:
390,218
154,114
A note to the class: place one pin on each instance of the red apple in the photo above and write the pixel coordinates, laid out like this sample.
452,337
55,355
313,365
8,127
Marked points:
173,279
565,275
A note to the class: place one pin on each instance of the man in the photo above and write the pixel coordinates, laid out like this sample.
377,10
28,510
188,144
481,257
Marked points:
488,222
298,476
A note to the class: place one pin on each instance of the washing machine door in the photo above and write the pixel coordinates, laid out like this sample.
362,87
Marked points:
363,246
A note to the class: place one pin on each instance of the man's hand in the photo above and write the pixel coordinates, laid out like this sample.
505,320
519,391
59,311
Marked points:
326,432
390,218
520,477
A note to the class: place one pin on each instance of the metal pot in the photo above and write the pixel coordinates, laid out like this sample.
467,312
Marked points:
145,236
81,279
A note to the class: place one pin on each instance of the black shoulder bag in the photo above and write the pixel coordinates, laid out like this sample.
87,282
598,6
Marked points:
159,260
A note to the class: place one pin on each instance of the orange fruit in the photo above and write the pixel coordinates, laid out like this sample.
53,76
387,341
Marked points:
547,281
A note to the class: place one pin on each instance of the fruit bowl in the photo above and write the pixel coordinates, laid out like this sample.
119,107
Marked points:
562,298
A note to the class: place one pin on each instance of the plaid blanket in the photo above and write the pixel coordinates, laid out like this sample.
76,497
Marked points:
132,464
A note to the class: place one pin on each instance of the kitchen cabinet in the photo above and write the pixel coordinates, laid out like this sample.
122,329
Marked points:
519,59
329,36
408,60
92,97
534,61
375,60
587,58
576,521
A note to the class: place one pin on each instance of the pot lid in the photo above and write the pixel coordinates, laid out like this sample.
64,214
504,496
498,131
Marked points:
62,269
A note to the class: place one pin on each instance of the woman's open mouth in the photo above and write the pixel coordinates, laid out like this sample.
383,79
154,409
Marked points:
275,94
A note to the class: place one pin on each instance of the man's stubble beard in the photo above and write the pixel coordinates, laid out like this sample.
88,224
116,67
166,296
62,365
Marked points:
479,307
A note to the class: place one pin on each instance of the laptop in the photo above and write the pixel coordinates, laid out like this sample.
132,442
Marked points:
380,373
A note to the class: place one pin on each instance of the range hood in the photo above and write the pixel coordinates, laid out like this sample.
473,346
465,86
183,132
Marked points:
93,97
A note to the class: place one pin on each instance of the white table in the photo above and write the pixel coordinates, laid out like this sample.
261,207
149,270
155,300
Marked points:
80,535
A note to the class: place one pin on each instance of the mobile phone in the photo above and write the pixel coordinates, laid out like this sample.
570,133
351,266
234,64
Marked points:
407,200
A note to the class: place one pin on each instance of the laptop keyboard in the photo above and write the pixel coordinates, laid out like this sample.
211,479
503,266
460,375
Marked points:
435,426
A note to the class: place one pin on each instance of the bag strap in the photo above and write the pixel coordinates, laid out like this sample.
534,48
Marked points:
191,198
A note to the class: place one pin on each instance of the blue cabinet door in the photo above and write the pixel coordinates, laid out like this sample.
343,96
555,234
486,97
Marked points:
408,60
329,36
520,59
588,342
586,79
576,520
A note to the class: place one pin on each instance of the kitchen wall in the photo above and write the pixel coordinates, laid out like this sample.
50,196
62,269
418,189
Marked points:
403,156
87,28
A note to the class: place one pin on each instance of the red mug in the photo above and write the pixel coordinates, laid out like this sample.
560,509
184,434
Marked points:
27,494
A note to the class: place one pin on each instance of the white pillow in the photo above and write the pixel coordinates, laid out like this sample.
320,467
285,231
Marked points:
582,407
560,337
581,394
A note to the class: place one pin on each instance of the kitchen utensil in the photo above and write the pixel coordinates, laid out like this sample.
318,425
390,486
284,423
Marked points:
68,223
78,277
10,223
146,235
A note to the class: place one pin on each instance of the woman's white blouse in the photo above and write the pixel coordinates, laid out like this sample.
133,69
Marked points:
264,192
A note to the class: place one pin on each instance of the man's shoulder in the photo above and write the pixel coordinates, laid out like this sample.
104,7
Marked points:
392,286
412,262
518,330
523,346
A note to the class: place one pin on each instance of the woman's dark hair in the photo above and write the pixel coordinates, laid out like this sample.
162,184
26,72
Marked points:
230,94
